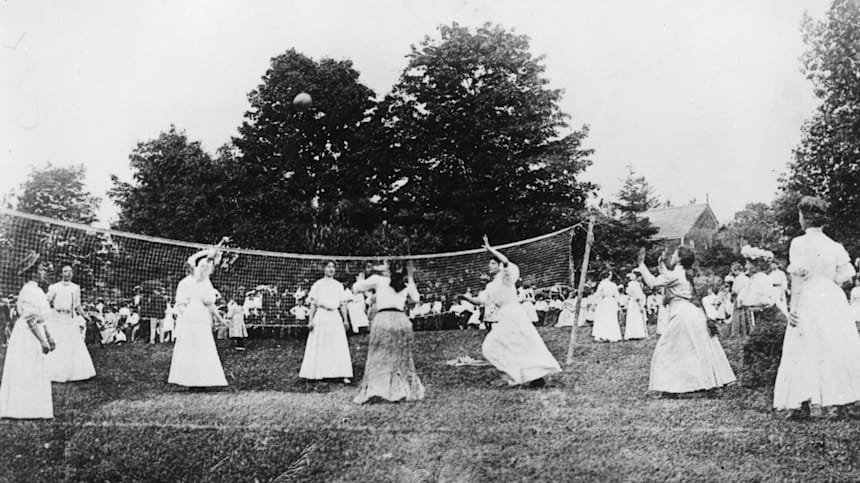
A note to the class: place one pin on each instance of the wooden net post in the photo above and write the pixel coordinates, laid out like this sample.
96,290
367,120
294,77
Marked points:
583,274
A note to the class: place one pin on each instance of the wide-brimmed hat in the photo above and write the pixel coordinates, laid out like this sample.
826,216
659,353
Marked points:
27,262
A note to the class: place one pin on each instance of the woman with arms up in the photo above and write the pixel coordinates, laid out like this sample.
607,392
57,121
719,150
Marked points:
195,362
390,373
514,346
688,357
25,390
820,364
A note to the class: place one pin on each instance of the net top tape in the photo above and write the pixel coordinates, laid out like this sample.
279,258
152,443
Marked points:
245,251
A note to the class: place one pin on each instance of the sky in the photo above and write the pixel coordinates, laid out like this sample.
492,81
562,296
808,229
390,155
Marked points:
704,98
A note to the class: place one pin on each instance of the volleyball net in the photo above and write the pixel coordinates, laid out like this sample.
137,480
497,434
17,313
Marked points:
112,267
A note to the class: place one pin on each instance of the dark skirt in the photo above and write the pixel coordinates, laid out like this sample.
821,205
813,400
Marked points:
742,321
763,349
390,371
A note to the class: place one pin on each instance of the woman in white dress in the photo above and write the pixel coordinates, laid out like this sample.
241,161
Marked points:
514,346
236,321
327,350
167,325
25,390
634,327
71,361
195,361
688,357
820,363
565,318
606,311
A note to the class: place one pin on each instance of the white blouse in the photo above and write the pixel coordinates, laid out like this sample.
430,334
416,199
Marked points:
817,255
32,302
759,292
386,297
328,293
502,289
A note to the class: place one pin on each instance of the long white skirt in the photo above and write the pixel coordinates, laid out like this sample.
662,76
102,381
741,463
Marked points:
71,360
25,390
238,329
565,319
531,312
662,319
327,350
820,356
687,358
634,327
357,315
195,361
606,321
516,349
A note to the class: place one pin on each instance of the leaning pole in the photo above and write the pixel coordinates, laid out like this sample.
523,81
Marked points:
583,274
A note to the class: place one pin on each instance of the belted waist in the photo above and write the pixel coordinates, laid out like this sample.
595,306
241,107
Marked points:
327,308
63,311
675,298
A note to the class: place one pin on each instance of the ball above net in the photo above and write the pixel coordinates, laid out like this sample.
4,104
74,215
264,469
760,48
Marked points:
302,100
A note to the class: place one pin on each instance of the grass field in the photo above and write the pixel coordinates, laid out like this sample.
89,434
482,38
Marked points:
596,422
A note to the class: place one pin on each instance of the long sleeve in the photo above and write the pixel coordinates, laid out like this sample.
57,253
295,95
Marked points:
665,279
370,283
412,293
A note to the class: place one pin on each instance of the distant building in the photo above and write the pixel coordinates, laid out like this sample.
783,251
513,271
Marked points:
690,225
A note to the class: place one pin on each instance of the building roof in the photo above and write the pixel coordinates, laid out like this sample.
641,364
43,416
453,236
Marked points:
676,221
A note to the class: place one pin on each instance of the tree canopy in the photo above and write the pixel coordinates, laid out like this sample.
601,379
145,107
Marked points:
827,161
470,141
475,142
58,192
178,190
636,195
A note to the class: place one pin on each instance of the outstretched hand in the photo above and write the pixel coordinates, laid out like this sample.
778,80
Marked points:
410,269
486,242
640,257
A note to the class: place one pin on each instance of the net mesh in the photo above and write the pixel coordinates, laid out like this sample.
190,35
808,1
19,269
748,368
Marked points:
112,267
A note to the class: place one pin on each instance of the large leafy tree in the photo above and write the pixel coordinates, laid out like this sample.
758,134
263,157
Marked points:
302,174
58,192
472,142
757,225
179,191
827,161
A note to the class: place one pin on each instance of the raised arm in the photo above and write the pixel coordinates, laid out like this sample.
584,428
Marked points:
365,284
665,279
411,289
497,254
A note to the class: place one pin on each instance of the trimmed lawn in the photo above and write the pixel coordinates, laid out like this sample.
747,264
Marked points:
596,421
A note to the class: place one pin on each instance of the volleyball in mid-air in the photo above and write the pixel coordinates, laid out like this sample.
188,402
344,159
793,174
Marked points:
302,100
